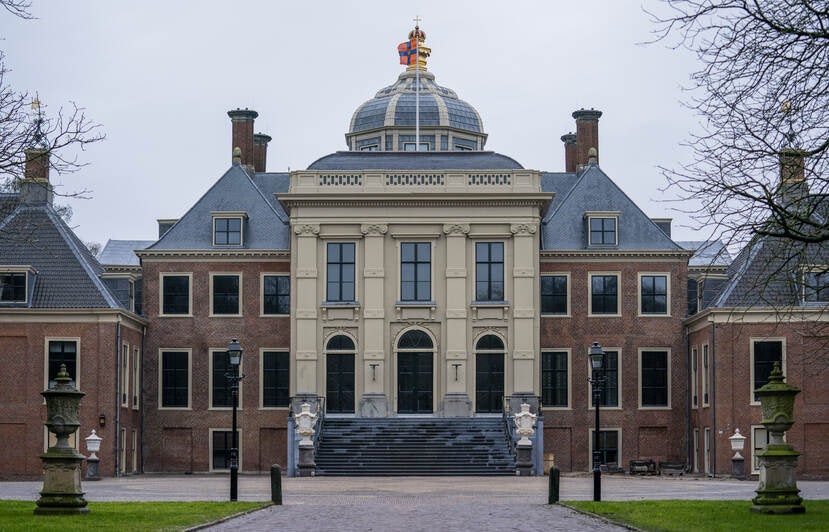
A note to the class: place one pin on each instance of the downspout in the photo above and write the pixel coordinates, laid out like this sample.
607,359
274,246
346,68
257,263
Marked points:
141,398
714,399
688,399
117,394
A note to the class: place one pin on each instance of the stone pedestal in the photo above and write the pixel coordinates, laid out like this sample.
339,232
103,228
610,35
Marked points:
373,405
524,464
307,466
455,405
738,468
92,469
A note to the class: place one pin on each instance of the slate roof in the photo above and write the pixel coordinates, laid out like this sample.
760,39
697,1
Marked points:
431,160
564,228
122,252
266,227
707,253
67,273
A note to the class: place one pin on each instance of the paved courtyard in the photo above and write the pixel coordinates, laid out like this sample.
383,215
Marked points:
411,503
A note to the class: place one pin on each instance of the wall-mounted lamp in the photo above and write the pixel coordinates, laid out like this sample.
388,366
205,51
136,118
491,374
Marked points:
456,366
102,421
374,371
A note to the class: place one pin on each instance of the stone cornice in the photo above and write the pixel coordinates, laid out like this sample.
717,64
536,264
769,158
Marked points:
614,253
214,253
501,200
793,316
51,315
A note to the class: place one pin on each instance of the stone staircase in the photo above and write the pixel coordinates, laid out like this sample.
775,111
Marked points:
414,446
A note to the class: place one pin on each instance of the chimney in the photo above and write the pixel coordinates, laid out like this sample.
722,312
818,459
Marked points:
242,136
569,141
260,151
587,134
35,188
792,166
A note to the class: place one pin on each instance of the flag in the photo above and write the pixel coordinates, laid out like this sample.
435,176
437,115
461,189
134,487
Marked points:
408,52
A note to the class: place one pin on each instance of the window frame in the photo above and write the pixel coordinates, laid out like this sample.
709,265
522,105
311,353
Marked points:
758,432
227,216
489,265
46,342
416,262
136,379
568,358
426,144
706,376
667,352
126,369
618,406
590,311
240,291
162,294
189,353
262,354
229,432
667,312
566,313
263,296
752,341
591,432
28,275
602,216
221,352
340,282
808,292
695,402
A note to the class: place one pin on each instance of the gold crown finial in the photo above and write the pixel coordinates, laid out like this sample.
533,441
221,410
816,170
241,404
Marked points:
423,51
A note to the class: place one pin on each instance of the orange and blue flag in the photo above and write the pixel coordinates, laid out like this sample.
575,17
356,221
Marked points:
408,52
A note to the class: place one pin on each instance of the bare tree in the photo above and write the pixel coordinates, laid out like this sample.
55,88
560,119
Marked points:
762,94
24,124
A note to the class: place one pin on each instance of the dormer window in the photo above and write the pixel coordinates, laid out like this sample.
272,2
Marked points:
603,229
816,285
410,146
228,229
14,285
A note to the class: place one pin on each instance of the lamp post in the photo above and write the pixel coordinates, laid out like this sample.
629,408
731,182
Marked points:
597,356
234,359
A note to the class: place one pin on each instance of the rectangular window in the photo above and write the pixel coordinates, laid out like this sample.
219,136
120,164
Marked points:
62,352
653,294
276,294
694,378
136,377
654,378
220,395
610,388
139,294
705,375
608,446
340,272
765,353
275,381
759,442
604,294
225,294
555,379
122,289
816,286
227,231
221,442
415,271
13,287
175,379
175,294
125,375
602,231
554,295
489,271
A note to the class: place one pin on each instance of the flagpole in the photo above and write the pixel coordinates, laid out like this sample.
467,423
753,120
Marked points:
417,89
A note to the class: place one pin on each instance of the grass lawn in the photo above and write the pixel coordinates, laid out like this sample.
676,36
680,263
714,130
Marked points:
17,515
706,515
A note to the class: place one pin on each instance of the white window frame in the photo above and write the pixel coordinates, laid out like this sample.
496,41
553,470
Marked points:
706,451
822,269
752,340
160,381
210,353
136,379
667,351
161,277
590,404
240,312
696,450
124,390
357,275
759,442
28,272
667,312
602,215
46,341
569,377
262,351
134,451
590,276
262,293
426,144
567,314
705,361
122,463
210,447
591,432
432,250
695,378
241,216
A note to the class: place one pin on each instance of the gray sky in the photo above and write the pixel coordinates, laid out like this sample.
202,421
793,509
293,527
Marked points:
160,77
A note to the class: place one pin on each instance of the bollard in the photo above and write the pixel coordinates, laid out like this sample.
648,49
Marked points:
555,477
276,484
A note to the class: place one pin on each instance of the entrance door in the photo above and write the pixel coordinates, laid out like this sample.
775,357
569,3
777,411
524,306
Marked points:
339,388
414,383
489,382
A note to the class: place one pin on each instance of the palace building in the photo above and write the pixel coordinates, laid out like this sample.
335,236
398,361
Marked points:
414,284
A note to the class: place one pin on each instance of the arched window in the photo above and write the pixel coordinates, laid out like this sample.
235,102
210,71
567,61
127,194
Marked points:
415,374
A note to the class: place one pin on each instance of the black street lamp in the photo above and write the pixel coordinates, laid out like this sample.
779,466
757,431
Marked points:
597,356
234,359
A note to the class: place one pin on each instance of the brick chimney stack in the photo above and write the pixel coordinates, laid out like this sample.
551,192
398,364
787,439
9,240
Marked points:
569,141
242,136
792,166
587,135
260,151
35,188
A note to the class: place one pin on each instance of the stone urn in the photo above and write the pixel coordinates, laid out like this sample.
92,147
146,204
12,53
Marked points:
524,422
777,492
62,492
305,422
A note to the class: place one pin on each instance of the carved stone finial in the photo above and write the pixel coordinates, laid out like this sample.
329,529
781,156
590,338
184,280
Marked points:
237,155
592,156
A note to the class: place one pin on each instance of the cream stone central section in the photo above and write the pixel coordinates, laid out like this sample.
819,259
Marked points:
374,314
304,338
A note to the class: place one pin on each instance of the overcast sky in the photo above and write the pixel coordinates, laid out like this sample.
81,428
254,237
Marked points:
160,76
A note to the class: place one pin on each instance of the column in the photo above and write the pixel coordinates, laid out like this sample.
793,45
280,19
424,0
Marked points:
373,402
304,325
525,318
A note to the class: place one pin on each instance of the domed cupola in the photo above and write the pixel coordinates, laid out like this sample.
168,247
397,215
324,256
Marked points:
390,120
